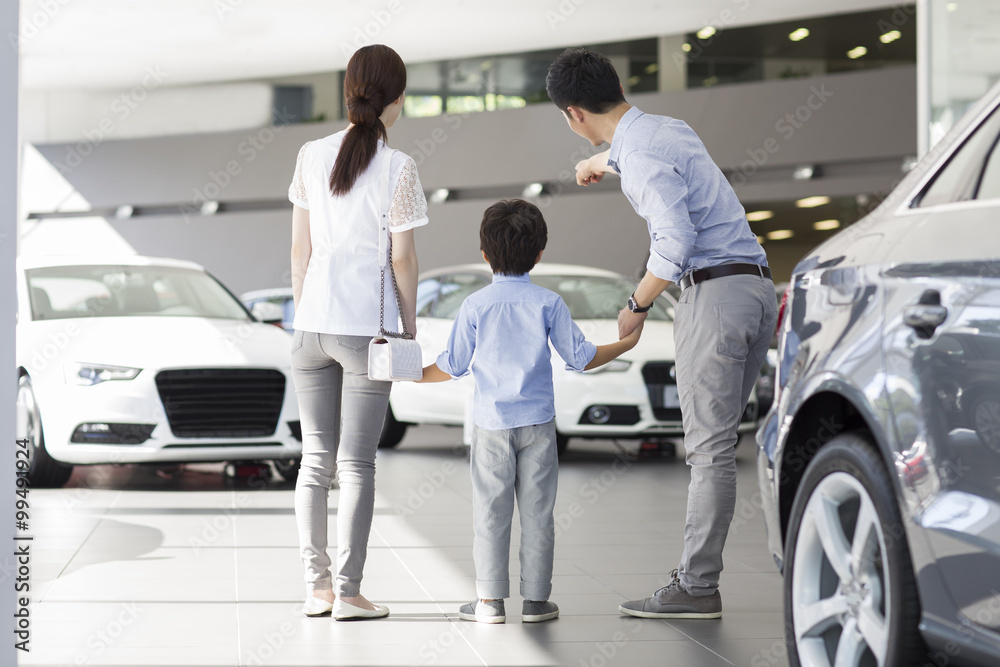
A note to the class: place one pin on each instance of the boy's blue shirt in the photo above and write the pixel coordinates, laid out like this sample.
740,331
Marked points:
501,335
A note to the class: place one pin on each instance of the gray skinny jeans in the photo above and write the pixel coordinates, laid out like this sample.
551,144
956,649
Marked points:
722,331
342,412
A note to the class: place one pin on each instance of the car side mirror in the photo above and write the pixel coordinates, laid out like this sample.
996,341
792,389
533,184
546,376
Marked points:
269,313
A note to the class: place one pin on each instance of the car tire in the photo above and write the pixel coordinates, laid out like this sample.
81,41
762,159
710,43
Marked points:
43,470
849,593
562,442
392,431
287,468
985,416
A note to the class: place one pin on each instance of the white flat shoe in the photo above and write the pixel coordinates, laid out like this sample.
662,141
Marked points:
343,611
314,606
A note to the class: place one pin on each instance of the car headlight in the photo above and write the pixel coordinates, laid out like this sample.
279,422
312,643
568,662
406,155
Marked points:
613,366
86,375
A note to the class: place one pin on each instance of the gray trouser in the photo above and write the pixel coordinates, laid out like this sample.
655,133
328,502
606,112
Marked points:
342,413
522,463
722,331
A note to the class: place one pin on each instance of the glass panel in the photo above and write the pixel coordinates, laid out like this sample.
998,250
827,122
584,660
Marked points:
454,290
427,291
956,180
597,297
117,291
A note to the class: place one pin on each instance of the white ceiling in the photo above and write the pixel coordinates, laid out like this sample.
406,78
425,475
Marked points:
102,44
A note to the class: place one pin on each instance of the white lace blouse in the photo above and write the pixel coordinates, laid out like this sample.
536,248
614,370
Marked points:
340,293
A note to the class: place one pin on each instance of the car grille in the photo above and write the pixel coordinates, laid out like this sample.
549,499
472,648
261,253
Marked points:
222,402
657,377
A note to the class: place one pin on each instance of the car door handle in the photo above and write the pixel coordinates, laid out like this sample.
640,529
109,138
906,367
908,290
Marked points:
926,315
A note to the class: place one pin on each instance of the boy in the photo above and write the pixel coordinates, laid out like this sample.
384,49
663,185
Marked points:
700,239
507,327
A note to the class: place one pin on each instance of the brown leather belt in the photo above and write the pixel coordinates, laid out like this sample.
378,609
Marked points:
701,275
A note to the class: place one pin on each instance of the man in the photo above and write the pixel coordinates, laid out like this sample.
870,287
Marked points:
700,239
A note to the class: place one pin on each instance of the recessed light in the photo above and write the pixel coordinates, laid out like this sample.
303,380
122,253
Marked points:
890,36
824,225
857,52
124,211
780,234
706,32
439,196
686,47
652,68
210,207
757,216
532,190
812,202
804,172
761,240
951,6
798,35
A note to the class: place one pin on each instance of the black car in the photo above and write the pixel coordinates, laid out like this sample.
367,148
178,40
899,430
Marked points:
879,463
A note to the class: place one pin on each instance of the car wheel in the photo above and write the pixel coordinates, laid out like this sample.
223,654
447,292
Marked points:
43,470
986,420
850,595
392,431
562,442
287,468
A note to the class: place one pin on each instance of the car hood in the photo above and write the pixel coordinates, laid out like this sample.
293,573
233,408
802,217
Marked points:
145,342
655,343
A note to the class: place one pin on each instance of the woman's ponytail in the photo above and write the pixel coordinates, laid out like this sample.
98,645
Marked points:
375,78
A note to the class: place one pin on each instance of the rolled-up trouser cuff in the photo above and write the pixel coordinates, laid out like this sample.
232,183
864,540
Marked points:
493,590
536,592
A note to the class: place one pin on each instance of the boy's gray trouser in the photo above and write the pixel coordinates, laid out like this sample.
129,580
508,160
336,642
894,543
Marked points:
519,462
722,331
342,413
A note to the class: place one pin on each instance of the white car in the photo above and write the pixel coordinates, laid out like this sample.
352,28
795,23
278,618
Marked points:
633,397
142,360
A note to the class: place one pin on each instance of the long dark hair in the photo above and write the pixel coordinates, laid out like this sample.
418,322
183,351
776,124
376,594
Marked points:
375,78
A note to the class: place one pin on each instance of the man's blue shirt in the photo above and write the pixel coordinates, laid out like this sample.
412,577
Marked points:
502,335
695,219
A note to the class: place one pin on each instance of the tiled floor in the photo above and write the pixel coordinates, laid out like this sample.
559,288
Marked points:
132,568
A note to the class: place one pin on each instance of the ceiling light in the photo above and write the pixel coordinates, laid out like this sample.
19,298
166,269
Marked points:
798,35
705,32
857,52
952,6
757,216
686,47
890,36
812,202
439,196
210,207
780,234
824,225
652,68
804,172
533,190
124,211
761,240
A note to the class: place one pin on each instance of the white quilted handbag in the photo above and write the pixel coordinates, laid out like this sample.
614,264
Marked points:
392,357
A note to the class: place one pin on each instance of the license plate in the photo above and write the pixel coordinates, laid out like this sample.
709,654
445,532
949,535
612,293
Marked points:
670,397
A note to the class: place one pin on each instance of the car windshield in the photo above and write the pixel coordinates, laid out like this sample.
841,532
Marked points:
61,292
598,297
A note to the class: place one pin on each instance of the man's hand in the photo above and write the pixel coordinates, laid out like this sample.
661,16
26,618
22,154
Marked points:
629,322
587,174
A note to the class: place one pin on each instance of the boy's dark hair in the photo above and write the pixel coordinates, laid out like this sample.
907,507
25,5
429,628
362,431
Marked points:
584,79
512,234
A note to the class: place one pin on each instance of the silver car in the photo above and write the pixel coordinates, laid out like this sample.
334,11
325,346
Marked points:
879,463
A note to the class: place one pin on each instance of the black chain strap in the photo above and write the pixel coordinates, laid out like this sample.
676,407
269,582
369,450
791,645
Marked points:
399,303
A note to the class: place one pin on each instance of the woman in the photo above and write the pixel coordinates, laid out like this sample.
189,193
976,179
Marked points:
335,281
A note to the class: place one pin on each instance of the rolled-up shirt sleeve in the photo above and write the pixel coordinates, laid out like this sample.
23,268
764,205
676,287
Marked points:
660,194
568,340
457,356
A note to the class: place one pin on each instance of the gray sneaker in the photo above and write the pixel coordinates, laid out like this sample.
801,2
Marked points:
483,611
672,602
533,611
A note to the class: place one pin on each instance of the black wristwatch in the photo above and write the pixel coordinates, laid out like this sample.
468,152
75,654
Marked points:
634,306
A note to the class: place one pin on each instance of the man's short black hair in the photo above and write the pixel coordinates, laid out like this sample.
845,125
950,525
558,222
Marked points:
512,234
584,79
